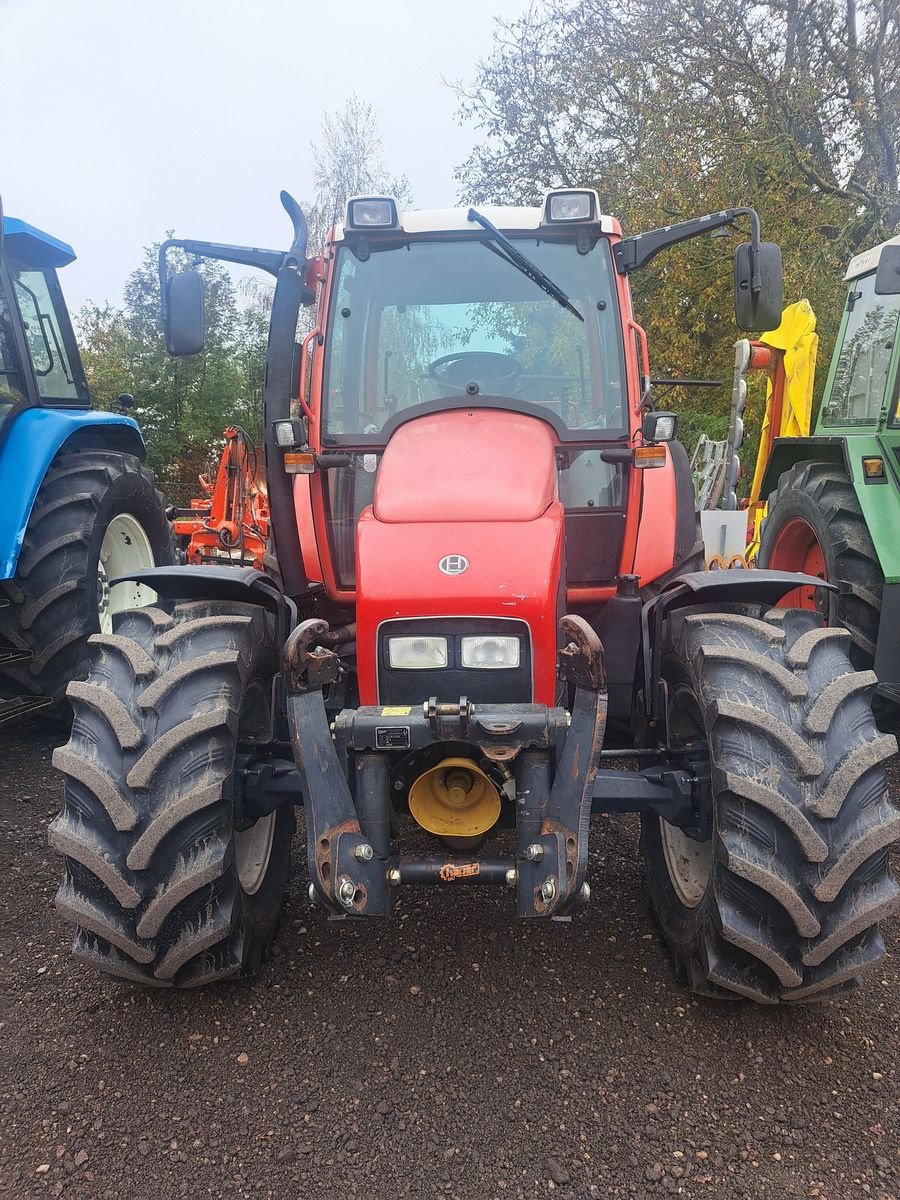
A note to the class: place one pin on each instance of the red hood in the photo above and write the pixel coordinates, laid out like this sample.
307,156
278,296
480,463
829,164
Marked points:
467,465
477,486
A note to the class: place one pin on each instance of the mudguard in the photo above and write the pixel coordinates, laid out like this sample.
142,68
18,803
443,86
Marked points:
32,440
207,582
787,451
736,586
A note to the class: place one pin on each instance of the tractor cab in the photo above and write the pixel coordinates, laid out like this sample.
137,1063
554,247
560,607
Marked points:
39,362
430,315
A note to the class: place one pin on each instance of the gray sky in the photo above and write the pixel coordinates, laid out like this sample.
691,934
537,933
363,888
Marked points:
124,118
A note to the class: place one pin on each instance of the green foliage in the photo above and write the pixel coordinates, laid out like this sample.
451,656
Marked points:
671,110
182,404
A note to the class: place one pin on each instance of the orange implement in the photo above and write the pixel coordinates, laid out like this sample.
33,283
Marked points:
232,522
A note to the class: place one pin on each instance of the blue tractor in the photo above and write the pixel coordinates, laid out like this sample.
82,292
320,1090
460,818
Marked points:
77,507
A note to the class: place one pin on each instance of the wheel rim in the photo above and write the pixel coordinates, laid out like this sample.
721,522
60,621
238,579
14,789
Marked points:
125,547
688,863
797,548
252,851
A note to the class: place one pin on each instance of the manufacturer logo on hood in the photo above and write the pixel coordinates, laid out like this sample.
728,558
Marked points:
453,564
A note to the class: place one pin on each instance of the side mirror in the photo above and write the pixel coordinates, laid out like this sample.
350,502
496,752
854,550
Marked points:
185,324
760,311
887,277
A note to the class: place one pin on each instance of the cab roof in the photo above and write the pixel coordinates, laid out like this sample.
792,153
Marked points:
863,263
451,220
34,247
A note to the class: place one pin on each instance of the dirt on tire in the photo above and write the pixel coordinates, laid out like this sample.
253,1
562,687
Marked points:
451,1052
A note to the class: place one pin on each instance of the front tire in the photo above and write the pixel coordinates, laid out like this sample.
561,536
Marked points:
97,515
160,886
783,902
814,524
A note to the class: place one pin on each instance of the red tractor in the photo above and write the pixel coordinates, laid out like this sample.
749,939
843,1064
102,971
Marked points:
488,601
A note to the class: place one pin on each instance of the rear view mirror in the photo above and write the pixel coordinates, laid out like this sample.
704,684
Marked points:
185,325
887,277
755,312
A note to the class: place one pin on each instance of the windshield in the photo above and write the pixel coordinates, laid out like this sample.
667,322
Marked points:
426,321
861,373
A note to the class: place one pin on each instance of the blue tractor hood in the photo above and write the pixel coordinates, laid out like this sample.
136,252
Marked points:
34,247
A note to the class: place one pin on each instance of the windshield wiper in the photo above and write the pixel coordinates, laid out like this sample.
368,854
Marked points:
508,251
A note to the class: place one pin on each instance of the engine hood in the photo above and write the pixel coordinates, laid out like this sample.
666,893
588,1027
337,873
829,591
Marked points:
469,465
465,527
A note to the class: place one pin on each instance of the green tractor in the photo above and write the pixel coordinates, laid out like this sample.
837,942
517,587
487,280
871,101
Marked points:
834,497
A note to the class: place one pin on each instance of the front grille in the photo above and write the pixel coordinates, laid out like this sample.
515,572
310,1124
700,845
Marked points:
505,685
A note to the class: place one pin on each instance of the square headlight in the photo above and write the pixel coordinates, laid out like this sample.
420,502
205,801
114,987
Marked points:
417,653
372,212
570,206
490,652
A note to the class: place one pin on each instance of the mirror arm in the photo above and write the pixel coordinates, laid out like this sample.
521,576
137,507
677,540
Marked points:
635,252
248,256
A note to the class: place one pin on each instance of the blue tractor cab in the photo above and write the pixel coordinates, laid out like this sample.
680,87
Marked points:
77,508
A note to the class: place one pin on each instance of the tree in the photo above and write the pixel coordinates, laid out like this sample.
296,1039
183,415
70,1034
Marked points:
671,109
182,404
347,162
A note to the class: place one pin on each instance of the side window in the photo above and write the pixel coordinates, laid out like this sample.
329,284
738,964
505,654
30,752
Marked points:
860,379
40,318
586,481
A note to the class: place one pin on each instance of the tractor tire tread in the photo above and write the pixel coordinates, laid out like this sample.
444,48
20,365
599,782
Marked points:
800,880
52,599
846,541
151,881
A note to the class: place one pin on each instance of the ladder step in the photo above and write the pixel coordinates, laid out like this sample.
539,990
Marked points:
12,654
10,710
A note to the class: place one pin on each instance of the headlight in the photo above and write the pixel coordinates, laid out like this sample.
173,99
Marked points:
417,653
490,651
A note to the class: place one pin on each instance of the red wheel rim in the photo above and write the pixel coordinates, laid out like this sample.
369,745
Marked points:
797,548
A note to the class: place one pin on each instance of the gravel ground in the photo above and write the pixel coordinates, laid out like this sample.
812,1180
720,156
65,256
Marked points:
448,1053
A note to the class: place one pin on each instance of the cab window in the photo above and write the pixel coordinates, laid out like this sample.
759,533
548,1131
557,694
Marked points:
40,305
860,379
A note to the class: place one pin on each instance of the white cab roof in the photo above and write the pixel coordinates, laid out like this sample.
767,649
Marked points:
448,220
863,263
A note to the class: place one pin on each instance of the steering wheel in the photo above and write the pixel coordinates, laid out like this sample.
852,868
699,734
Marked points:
481,365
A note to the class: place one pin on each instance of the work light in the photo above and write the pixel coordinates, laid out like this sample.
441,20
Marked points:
417,653
289,433
659,426
490,652
371,212
570,206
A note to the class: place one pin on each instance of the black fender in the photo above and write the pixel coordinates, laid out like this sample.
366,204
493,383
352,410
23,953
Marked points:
243,584
735,586
787,452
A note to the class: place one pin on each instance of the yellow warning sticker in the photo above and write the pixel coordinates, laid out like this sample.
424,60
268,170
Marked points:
398,711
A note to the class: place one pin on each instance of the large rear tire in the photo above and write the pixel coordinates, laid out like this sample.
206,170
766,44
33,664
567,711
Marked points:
160,886
97,515
814,523
783,902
